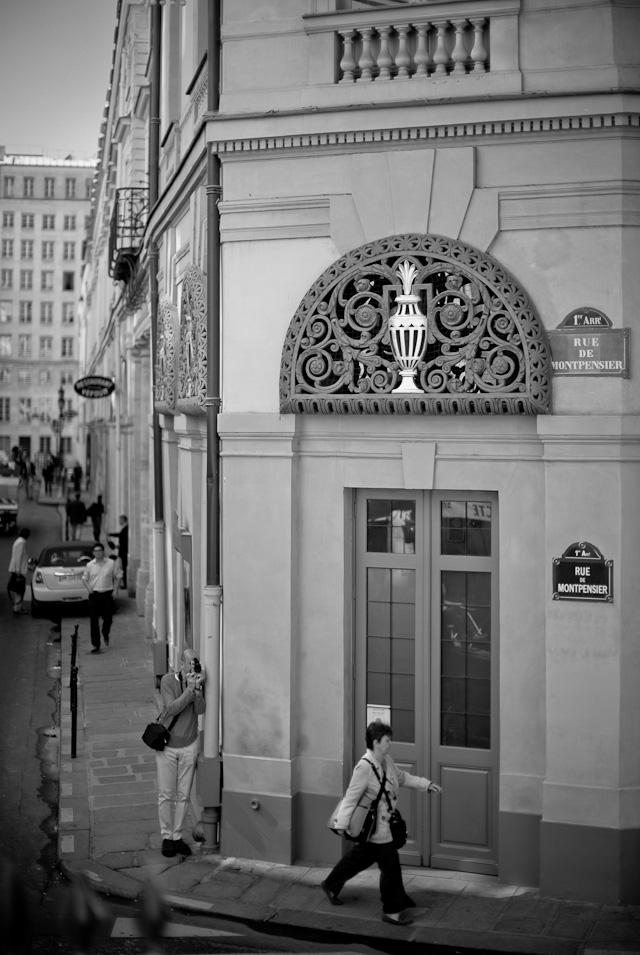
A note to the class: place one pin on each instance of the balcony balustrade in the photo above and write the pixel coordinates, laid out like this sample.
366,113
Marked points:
128,223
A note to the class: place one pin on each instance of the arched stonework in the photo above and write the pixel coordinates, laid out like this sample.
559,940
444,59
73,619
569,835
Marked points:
486,350
192,377
167,357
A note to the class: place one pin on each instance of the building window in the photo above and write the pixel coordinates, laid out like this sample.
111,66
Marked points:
65,445
27,187
9,183
49,188
67,348
25,313
24,410
6,278
45,444
5,409
46,313
87,223
88,186
66,378
24,346
26,249
7,220
69,188
48,222
5,376
47,250
46,346
68,281
44,376
46,281
26,280
5,346
28,220
69,223
24,378
6,312
68,313
7,248
68,251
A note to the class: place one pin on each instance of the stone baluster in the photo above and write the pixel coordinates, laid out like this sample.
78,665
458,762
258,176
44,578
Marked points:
441,56
479,51
459,55
348,62
366,61
403,59
422,58
385,60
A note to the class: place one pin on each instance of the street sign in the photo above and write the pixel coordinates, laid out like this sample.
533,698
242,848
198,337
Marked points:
582,573
57,426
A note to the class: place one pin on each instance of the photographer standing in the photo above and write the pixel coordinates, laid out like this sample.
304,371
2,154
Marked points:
182,696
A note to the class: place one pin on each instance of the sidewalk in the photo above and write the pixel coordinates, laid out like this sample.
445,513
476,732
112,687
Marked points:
108,828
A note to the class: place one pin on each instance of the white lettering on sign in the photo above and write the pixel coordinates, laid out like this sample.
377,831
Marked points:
583,589
582,571
595,365
586,342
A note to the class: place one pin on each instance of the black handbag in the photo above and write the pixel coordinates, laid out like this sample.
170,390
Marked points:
156,735
397,825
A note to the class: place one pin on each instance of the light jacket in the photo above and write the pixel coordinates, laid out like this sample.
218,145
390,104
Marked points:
365,785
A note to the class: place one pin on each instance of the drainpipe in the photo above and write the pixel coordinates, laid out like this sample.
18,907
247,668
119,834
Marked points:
210,764
159,560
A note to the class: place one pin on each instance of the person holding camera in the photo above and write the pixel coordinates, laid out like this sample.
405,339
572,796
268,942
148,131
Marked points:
375,771
182,697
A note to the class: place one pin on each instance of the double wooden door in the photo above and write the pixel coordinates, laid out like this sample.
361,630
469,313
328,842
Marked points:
427,662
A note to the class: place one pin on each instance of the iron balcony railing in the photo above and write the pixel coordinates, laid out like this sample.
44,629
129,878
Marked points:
128,223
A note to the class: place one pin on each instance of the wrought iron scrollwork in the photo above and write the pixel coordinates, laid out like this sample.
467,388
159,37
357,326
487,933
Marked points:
486,350
192,378
167,357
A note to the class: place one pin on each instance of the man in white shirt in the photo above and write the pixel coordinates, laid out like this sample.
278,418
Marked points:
100,576
18,566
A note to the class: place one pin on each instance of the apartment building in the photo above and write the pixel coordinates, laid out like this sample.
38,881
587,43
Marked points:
44,209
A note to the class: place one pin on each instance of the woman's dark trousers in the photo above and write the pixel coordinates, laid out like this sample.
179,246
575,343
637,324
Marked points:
359,858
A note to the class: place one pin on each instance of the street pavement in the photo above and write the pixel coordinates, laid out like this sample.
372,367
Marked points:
108,829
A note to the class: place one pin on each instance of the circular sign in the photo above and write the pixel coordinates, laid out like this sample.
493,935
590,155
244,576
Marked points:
94,386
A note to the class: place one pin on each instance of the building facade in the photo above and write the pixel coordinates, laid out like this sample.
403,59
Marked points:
44,209
391,452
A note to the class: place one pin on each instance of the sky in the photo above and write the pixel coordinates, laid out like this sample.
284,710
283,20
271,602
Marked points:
55,61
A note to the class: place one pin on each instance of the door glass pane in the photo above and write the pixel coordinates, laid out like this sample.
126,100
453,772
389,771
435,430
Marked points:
391,622
391,526
465,678
465,528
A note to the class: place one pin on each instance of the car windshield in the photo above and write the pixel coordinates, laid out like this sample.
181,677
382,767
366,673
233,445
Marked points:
66,556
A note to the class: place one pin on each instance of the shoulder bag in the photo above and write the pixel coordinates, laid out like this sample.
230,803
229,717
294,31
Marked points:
156,735
364,818
397,825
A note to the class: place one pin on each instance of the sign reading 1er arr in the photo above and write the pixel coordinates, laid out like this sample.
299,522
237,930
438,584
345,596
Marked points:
582,573
585,343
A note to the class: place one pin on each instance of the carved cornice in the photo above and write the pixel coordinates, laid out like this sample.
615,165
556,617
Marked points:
486,351
442,132
192,363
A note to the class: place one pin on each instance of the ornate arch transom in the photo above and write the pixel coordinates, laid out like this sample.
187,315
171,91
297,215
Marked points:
167,359
415,324
192,364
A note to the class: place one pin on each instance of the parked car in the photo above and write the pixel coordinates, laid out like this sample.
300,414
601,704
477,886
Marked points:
57,585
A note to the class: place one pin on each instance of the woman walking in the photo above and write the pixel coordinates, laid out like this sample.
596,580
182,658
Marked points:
375,768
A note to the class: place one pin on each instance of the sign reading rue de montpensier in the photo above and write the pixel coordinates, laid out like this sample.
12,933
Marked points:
582,573
585,343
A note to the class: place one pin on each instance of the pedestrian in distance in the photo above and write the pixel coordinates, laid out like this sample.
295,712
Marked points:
95,512
374,771
18,566
101,576
123,545
76,515
77,477
182,697
47,477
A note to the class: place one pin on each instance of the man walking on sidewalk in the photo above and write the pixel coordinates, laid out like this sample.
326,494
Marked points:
77,515
100,576
182,699
18,566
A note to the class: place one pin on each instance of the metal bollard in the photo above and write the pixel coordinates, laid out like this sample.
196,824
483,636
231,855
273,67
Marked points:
74,691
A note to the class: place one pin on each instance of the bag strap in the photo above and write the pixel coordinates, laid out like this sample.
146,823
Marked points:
382,785
382,782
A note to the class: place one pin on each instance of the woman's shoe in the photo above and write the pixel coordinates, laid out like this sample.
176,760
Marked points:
397,918
333,898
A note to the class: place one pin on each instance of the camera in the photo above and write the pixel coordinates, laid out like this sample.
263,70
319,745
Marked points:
197,667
